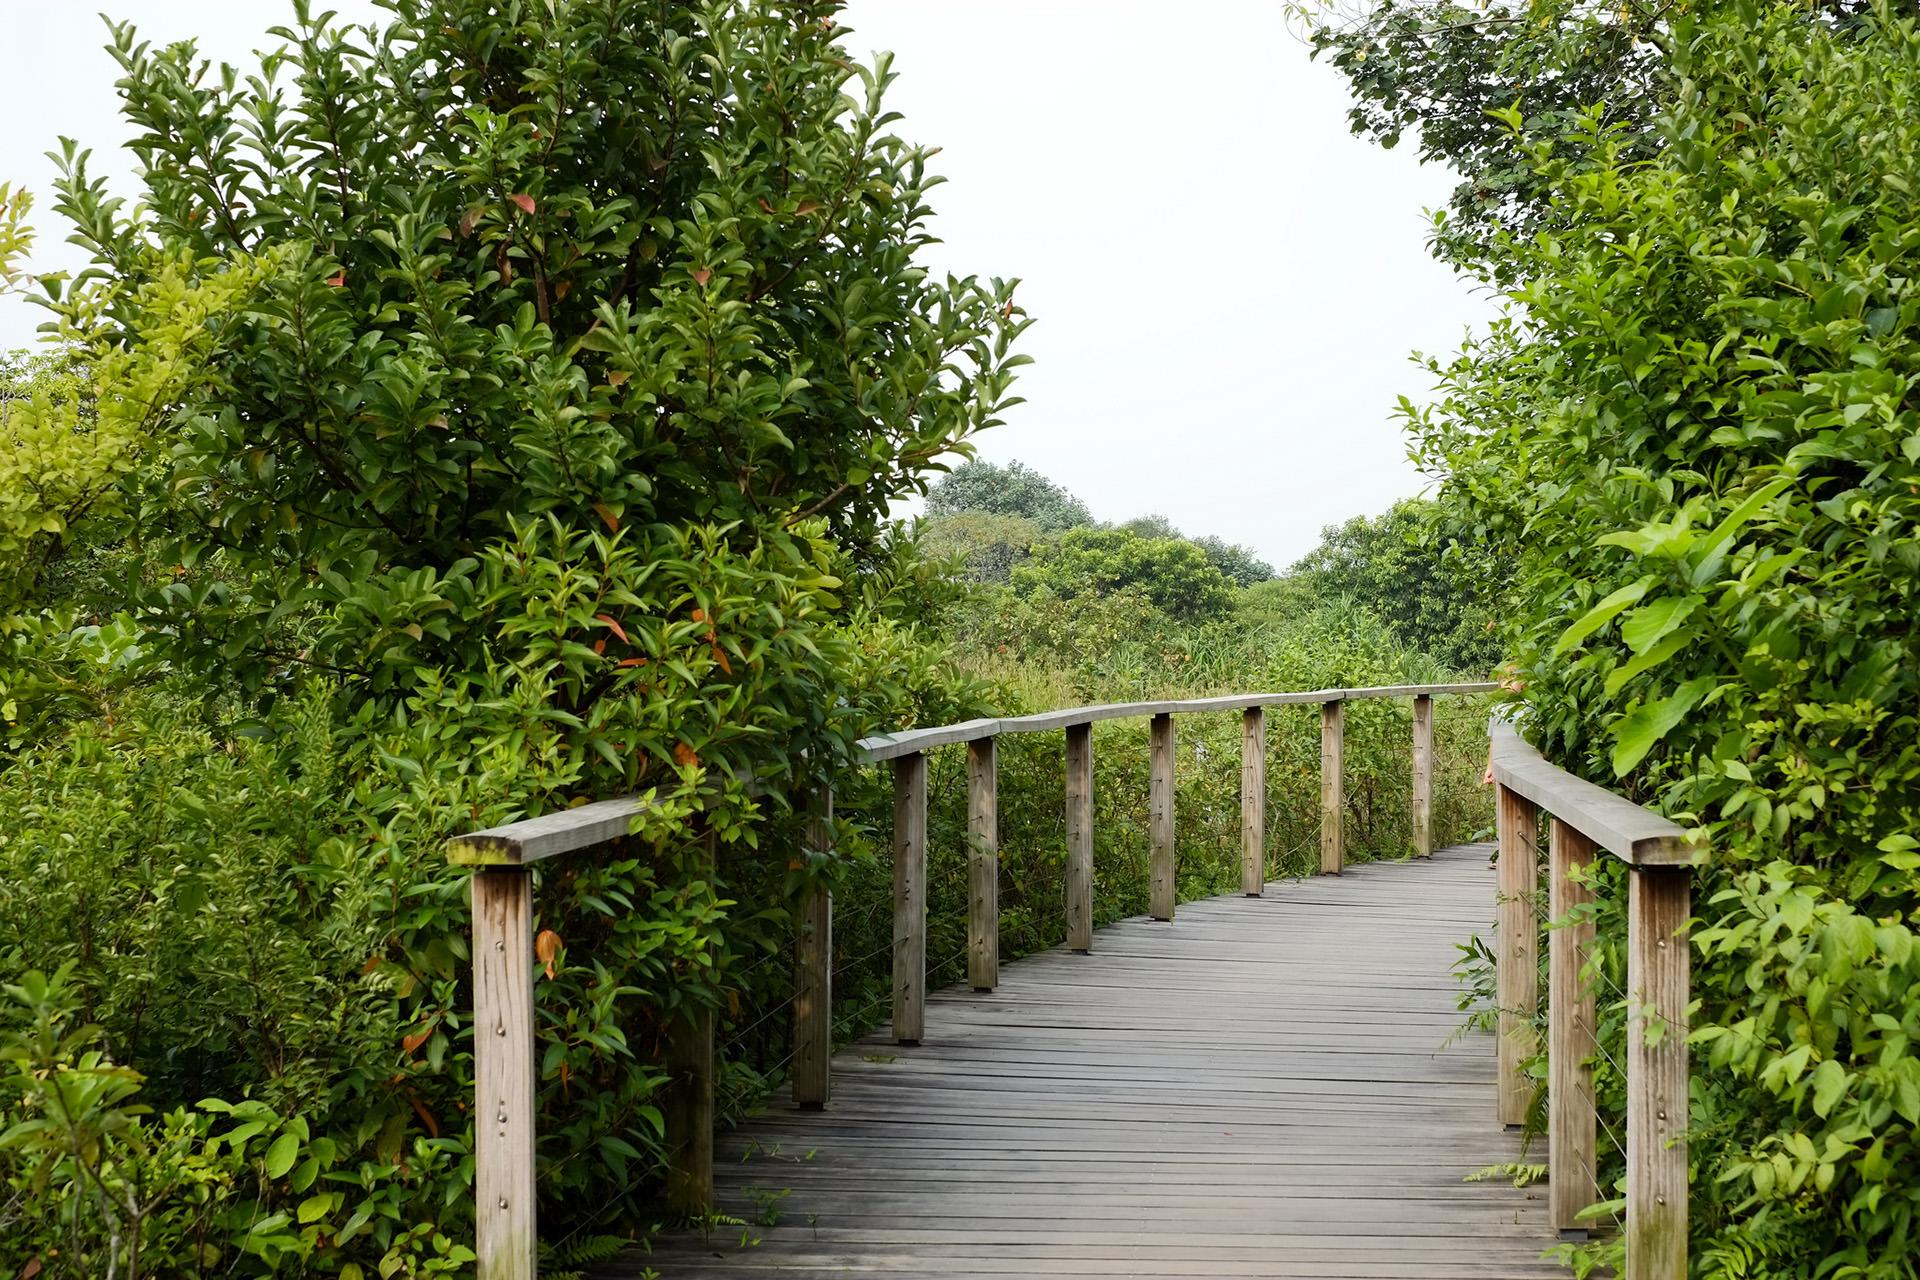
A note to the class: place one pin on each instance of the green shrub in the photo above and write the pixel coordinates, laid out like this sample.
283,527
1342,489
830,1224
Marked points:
1696,443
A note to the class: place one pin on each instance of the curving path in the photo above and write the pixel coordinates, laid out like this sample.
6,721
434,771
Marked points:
1262,1088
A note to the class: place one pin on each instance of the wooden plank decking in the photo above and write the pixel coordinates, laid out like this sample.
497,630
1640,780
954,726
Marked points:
1261,1088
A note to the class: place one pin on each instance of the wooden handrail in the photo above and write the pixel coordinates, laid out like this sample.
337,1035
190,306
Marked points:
1585,819
502,857
1626,830
885,746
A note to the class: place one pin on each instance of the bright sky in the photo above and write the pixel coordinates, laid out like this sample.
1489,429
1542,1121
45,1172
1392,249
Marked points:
1228,283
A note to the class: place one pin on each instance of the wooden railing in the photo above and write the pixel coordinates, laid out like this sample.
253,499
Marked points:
1584,819
503,957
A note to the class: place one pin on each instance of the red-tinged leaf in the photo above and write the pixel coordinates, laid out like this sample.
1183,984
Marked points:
807,206
413,1042
618,377
720,660
547,947
469,220
373,962
613,626
31,1270
524,200
561,290
631,662
764,205
701,276
426,1116
685,755
338,279
699,615
502,264
566,1077
607,516
600,645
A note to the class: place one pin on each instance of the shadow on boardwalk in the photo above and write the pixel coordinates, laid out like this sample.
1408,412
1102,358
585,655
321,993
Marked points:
1261,1088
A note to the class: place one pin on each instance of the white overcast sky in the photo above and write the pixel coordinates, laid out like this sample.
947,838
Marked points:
1228,284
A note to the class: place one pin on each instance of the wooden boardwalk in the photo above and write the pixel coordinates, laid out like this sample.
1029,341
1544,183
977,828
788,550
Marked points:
1262,1088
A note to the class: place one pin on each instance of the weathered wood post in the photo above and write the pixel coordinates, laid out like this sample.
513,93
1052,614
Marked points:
983,865
1517,968
910,897
813,973
1333,836
1080,837
1423,775
687,1102
1570,1034
1160,897
503,1068
1253,801
1658,907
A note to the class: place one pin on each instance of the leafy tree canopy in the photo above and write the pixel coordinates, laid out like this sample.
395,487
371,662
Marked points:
1172,573
1417,570
1013,490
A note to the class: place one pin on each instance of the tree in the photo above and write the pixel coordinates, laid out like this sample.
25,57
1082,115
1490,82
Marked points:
519,386
1172,573
1418,571
1235,561
1445,71
987,546
1013,490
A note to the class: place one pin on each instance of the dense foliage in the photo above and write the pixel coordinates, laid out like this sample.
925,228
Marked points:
1425,577
1695,440
479,413
1013,490
482,412
1441,71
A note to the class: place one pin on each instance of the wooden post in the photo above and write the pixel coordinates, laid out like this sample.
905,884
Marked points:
1253,801
503,1073
1333,836
909,898
1570,1036
687,1106
813,973
1080,837
983,865
1657,978
1517,972
1423,776
1160,898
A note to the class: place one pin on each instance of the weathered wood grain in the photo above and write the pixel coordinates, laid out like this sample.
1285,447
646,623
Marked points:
1333,834
1517,934
1160,749
1423,775
1658,905
1611,822
503,1073
1080,837
909,898
1570,1033
1268,1087
1253,801
983,864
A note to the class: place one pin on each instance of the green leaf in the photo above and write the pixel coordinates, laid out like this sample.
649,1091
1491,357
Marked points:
1829,1082
1637,732
1600,615
281,1155
1646,625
